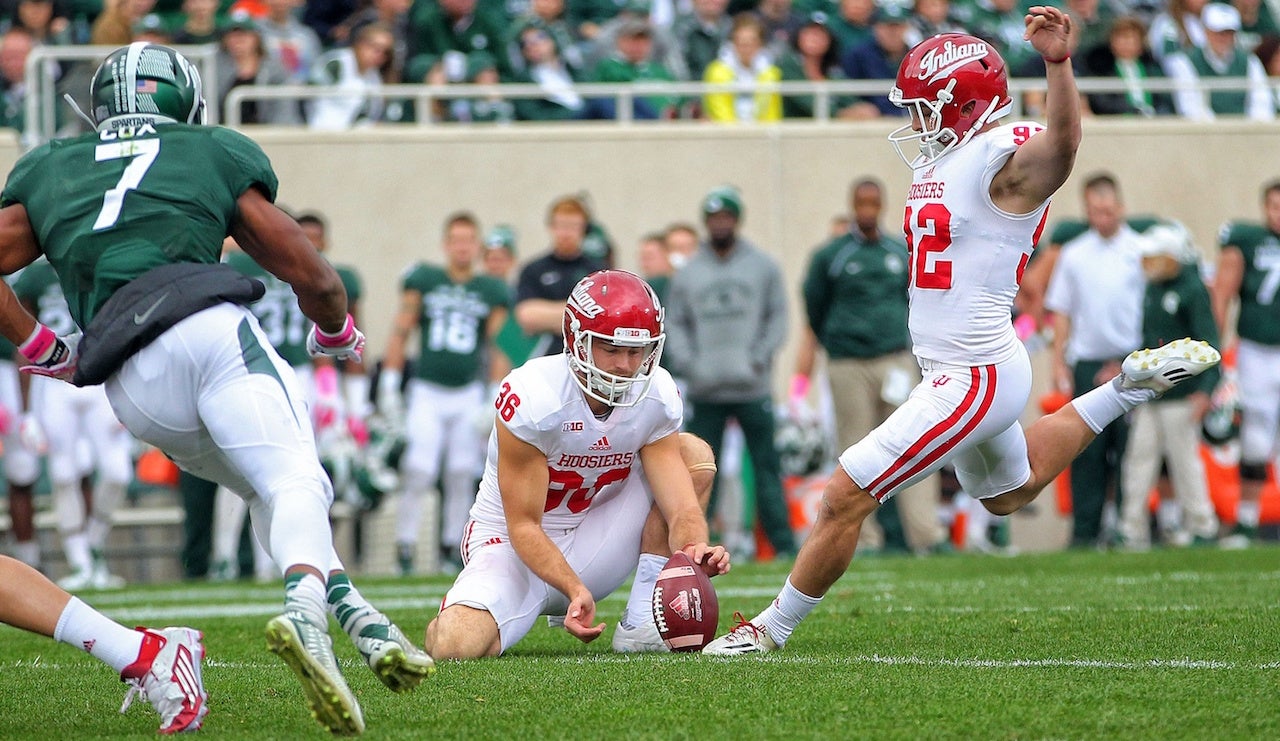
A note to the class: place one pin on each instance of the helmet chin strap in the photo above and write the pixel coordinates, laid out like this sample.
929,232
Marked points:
76,107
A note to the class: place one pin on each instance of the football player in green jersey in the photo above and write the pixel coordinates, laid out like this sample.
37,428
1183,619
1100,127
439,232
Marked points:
1249,273
458,313
132,217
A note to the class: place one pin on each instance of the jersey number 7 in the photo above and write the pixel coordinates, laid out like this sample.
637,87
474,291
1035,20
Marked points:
144,152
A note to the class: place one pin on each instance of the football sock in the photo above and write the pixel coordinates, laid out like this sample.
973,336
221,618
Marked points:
28,552
410,507
76,546
87,629
347,605
1168,515
1247,513
1107,403
304,592
640,603
785,613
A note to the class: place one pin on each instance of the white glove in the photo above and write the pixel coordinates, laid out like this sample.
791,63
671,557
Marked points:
347,344
31,435
49,354
390,404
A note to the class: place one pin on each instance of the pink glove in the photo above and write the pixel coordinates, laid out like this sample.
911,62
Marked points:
49,354
347,344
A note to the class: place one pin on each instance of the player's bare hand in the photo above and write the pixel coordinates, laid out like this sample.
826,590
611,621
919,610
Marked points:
582,611
1047,30
713,559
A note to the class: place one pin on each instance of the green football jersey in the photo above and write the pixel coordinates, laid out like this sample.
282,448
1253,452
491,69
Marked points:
452,323
38,286
282,320
108,206
1259,318
350,281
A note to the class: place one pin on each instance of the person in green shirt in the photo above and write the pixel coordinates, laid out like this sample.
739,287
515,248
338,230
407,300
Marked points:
457,313
135,238
632,61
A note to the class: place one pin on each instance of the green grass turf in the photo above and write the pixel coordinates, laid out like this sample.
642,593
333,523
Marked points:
1080,645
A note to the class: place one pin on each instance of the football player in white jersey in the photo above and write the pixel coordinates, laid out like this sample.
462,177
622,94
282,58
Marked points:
976,204
584,446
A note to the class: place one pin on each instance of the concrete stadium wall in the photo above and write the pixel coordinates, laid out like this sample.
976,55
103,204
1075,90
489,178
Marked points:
386,191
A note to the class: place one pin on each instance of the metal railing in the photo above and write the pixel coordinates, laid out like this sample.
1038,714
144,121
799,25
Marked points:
41,103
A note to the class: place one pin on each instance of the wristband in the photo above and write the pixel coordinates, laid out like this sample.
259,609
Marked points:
1057,61
342,337
40,346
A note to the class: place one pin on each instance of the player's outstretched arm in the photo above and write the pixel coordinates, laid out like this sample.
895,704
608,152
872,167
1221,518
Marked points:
673,493
522,471
1041,165
18,249
276,242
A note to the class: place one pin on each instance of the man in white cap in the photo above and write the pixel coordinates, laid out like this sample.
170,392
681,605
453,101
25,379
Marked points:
1220,57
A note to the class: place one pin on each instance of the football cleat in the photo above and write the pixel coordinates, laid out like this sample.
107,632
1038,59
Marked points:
639,639
77,581
398,664
1239,538
308,651
1165,367
745,638
102,578
167,675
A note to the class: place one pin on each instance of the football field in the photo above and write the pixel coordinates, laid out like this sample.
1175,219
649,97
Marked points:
1078,645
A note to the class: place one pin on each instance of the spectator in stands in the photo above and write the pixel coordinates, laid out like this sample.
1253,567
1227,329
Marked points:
780,22
499,259
701,33
1246,279
855,297
1126,56
243,60
1000,23
878,59
1256,22
655,263
453,37
289,41
1175,304
543,66
851,23
587,17
46,22
152,30
324,16
199,23
114,25
546,282
394,14
358,71
1220,57
1176,28
744,60
15,46
549,16
1096,296
726,319
1091,19
1268,52
813,56
633,62
666,49
930,18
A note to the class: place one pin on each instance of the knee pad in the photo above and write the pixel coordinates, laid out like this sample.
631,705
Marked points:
1253,471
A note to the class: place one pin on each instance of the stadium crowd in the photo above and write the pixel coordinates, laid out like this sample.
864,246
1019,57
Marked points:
556,44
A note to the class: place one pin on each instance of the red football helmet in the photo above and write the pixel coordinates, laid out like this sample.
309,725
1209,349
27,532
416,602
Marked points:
619,308
953,84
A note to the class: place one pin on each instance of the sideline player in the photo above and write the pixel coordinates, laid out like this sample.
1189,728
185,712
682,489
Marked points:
978,199
132,217
71,418
585,445
1249,272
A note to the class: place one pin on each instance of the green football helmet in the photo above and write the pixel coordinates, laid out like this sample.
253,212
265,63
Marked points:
145,83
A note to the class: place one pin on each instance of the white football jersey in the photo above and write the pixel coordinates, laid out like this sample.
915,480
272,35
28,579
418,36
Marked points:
967,256
588,459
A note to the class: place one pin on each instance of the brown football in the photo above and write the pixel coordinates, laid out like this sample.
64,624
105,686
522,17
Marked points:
684,605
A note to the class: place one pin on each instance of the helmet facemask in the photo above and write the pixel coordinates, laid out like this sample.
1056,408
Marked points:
935,139
606,387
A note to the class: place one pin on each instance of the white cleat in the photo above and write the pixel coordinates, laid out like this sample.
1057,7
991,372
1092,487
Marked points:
1164,367
745,638
171,680
639,639
77,581
398,664
308,651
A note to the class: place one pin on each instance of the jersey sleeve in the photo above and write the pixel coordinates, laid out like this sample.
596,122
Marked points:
351,282
526,395
497,294
1232,233
17,186
1002,143
672,416
416,278
246,165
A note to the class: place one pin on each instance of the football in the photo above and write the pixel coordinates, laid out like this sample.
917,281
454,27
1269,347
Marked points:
684,605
